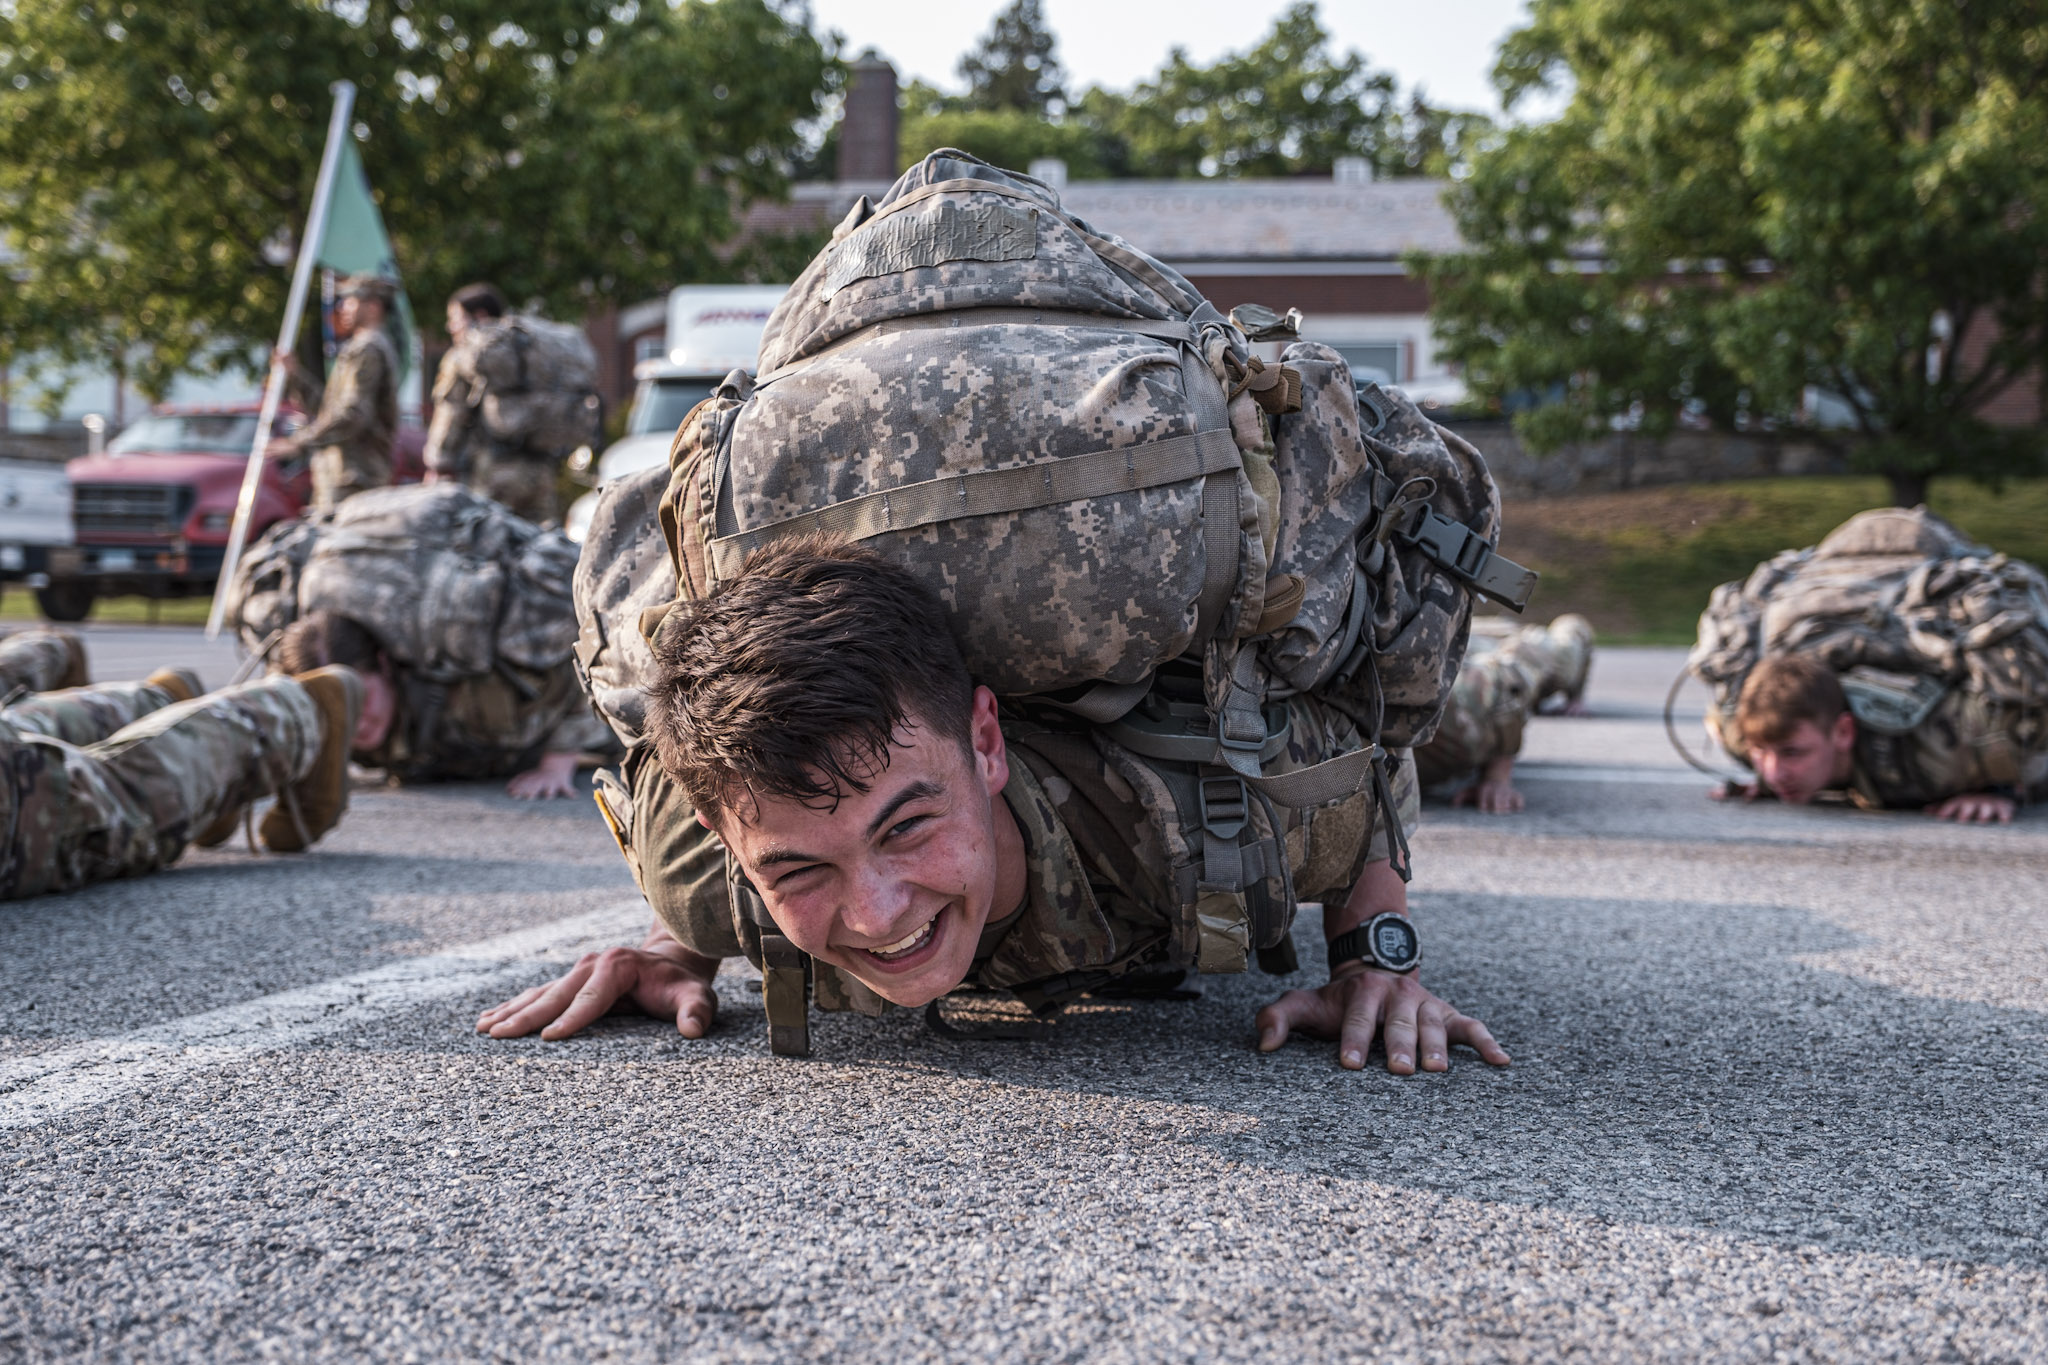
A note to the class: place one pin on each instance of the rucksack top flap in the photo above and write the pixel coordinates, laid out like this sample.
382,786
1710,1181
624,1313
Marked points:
1046,480
955,233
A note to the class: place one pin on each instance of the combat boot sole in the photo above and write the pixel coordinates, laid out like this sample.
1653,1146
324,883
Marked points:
314,804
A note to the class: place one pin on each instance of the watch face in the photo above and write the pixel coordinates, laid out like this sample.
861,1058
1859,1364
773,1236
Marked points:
1393,942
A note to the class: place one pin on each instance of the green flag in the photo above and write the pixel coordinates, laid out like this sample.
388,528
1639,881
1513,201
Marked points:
355,241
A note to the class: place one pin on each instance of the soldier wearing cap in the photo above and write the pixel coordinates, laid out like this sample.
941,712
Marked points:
351,438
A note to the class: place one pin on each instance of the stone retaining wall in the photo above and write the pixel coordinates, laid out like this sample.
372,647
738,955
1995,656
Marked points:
1625,460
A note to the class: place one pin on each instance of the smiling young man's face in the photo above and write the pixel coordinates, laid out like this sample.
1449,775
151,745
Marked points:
894,884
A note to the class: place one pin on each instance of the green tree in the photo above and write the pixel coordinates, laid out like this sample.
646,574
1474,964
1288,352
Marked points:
1287,106
1747,201
155,160
1015,66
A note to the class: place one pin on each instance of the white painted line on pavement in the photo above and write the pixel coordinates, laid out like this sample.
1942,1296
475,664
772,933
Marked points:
1589,772
34,1089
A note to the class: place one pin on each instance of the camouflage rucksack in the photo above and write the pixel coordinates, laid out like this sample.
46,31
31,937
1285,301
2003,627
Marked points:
521,382
449,582
1085,461
1898,603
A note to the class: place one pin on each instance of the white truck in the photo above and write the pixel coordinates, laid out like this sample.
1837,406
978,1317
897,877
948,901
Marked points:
713,329
35,518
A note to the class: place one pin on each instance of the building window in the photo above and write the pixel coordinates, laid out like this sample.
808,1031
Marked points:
649,348
1378,361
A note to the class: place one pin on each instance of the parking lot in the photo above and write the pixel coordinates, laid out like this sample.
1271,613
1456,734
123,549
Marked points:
1778,1092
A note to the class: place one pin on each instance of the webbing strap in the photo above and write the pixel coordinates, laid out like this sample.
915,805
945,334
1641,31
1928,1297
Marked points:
993,492
1320,784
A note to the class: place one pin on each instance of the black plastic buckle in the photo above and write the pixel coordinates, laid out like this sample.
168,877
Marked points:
1468,557
1224,805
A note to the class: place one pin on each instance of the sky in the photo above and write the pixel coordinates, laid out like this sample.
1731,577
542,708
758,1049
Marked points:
1445,46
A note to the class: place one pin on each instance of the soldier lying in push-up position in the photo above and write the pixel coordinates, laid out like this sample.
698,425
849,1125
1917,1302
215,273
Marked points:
994,454
114,780
1896,663
816,723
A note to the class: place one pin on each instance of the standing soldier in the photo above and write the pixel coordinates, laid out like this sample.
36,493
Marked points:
351,438
514,396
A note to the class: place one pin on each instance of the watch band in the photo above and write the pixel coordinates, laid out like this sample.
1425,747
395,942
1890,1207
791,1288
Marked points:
1365,944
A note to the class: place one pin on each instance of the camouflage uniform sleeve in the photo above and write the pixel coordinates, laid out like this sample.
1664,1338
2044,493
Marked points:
679,864
350,408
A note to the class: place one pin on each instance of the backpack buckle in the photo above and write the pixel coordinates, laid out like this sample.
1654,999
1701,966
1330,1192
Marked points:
1467,557
1224,805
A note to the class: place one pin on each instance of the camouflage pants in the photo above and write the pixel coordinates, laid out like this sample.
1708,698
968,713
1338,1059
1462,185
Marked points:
128,799
341,472
522,484
36,660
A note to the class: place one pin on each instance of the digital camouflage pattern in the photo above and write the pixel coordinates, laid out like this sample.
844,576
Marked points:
513,398
450,583
129,801
623,581
1559,655
1941,644
41,660
358,418
928,379
1510,671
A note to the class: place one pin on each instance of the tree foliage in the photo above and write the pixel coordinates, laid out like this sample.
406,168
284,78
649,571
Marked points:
155,159
1014,66
1287,106
1748,201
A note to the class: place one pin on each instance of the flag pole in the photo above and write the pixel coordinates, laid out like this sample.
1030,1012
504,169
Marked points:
294,310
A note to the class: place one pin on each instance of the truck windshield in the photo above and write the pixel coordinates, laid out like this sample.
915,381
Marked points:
218,433
661,404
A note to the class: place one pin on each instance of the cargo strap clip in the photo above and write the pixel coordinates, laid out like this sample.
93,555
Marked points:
1467,557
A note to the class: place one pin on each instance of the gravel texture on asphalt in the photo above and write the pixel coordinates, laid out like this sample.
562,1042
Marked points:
1778,1093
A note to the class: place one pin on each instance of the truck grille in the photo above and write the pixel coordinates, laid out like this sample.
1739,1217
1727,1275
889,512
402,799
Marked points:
130,509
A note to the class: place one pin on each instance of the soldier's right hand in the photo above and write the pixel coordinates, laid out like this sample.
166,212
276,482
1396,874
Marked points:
670,982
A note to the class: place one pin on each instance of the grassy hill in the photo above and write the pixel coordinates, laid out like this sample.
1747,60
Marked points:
1640,564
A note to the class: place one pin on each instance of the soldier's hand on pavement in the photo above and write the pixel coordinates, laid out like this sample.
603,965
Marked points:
1976,808
662,985
554,775
1361,1001
1495,798
1747,791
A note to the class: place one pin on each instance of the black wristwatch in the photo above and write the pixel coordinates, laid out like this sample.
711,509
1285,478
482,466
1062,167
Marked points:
1387,941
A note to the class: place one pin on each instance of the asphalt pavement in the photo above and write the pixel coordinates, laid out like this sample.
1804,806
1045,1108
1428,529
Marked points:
1778,1093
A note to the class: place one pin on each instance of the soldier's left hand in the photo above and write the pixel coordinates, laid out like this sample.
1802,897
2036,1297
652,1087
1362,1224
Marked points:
1361,1001
554,775
1976,808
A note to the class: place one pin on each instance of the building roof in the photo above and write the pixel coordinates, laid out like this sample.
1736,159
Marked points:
1211,222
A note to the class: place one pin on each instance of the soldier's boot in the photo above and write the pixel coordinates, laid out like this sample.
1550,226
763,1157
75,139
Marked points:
182,683
76,673
313,805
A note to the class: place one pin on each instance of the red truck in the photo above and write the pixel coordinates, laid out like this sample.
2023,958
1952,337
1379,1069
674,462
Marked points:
152,513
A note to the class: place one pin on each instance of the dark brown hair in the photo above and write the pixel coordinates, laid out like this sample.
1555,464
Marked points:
1782,691
320,638
794,678
479,300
